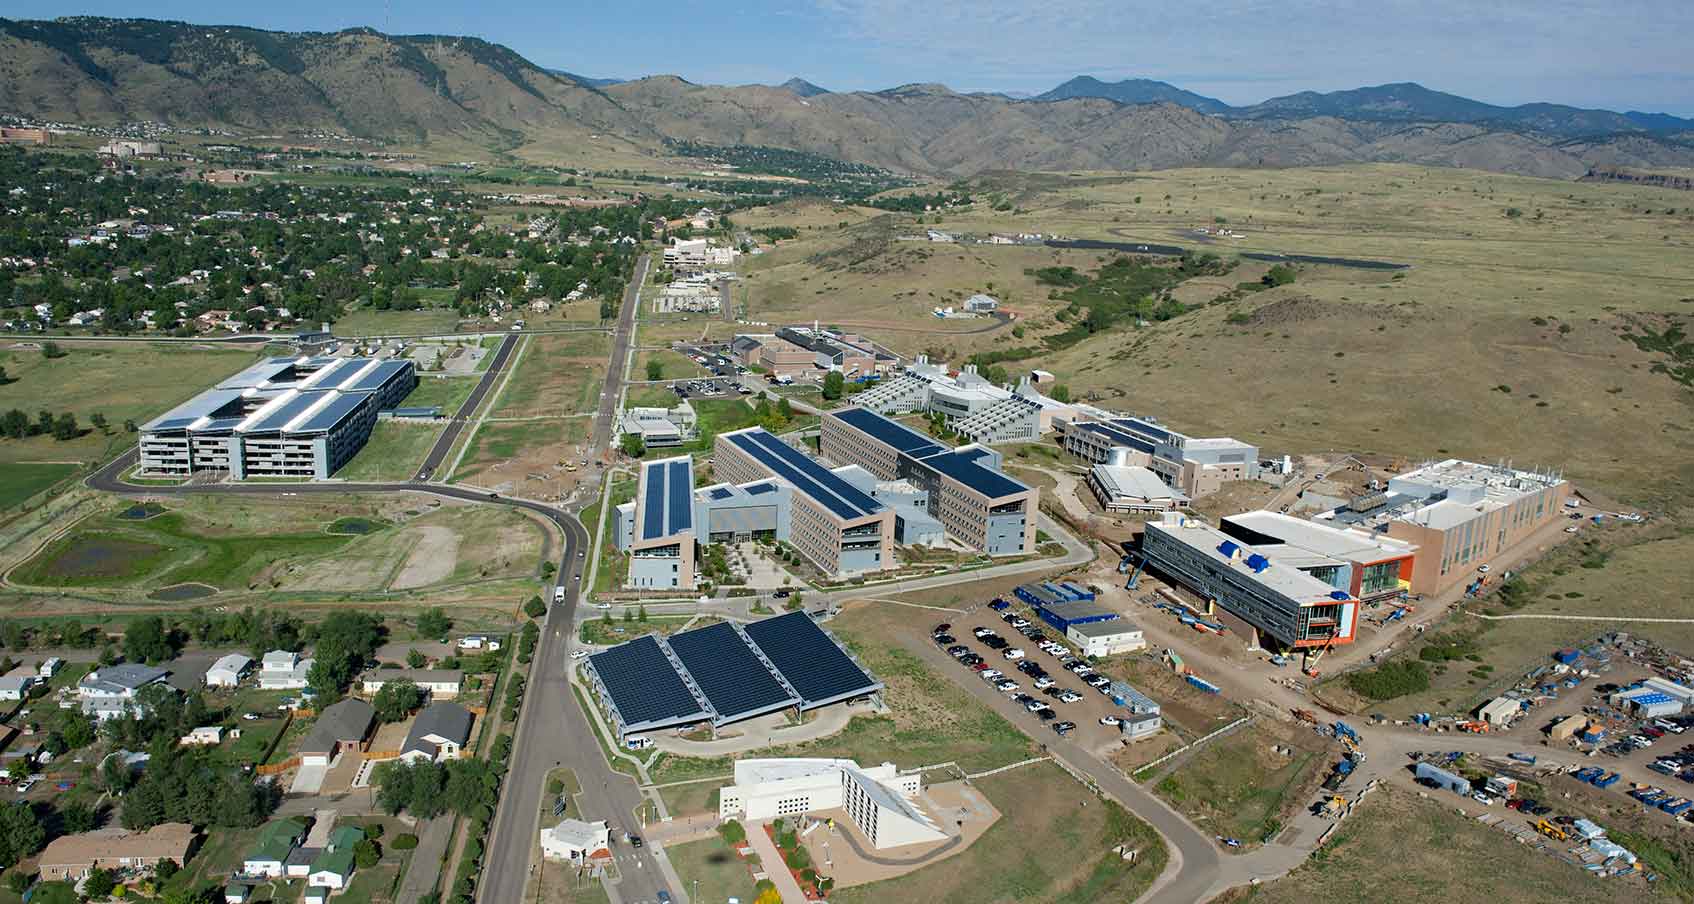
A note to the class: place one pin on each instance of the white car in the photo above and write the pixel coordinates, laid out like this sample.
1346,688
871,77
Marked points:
991,675
1571,529
1483,569
579,654
250,717
1110,720
1013,654
602,605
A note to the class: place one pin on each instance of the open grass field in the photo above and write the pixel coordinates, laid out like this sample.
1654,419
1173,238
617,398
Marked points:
649,397
1238,787
721,872
395,451
283,546
21,480
673,365
125,381
514,452
1400,849
1046,847
558,374
613,566
447,392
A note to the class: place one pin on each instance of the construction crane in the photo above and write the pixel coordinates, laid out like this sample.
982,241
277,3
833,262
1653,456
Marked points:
1133,575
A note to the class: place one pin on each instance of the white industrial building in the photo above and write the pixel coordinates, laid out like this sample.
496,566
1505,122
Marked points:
574,839
1106,638
878,800
1499,711
1123,488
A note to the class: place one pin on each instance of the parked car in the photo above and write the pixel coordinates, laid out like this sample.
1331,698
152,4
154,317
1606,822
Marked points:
1064,728
945,639
1110,720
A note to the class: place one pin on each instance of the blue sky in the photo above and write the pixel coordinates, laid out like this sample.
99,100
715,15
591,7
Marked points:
1620,55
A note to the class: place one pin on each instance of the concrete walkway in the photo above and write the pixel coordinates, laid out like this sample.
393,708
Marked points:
771,859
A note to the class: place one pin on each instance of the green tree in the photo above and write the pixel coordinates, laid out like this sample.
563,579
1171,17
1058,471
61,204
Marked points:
366,854
632,445
833,383
52,350
535,608
21,833
396,700
65,427
99,884
434,623
77,817
655,369
1279,275
1061,393
99,422
416,659
149,640
641,616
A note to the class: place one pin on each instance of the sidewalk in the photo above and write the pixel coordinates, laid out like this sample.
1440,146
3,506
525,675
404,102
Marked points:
771,859
423,873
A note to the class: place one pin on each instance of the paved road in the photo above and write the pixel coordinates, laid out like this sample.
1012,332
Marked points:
552,730
444,443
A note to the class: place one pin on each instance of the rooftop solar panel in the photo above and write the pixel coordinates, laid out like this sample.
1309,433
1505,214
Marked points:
1118,436
680,489
1146,428
281,412
889,432
805,474
327,417
809,660
382,373
760,488
644,686
721,493
733,678
653,502
966,470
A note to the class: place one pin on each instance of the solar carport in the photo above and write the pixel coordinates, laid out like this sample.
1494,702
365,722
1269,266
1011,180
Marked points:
725,673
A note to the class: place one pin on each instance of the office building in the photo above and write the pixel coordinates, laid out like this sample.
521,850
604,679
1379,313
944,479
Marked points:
657,527
1459,515
835,525
880,801
1370,566
283,417
1286,606
1126,489
965,490
1195,466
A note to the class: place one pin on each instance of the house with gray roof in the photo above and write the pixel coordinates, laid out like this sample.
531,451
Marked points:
112,691
341,726
440,732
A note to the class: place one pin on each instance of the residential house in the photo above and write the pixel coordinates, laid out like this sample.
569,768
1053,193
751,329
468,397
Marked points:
269,854
72,857
228,670
204,736
439,733
438,683
113,691
282,670
334,867
340,727
50,667
16,687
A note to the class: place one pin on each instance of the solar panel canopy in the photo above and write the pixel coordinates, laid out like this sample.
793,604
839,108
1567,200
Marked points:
723,673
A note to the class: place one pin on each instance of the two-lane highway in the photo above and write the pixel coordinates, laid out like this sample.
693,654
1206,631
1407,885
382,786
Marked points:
444,443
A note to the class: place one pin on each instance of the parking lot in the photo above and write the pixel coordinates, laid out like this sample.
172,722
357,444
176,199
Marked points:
1028,663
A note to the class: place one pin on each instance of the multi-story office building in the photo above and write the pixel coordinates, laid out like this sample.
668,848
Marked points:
976,503
1283,603
835,525
1459,514
283,417
1193,465
657,528
1368,565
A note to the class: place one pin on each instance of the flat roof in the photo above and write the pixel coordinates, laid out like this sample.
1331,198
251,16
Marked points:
889,432
1120,437
1212,543
1110,627
288,395
646,690
1140,483
730,672
963,467
1351,545
815,666
667,497
805,473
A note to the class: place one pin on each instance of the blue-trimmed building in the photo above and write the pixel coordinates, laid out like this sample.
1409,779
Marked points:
657,528
975,501
282,417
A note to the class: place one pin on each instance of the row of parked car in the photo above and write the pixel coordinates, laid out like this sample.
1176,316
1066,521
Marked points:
1004,683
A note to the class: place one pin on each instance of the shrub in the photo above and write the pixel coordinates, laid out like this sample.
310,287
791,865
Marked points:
1390,680
733,832
404,842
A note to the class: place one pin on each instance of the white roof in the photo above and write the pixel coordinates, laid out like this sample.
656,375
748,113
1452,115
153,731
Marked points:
575,833
1352,545
1134,482
280,660
231,662
1284,579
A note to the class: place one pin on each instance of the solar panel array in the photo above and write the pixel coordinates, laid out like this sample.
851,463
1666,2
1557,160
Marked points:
889,432
330,415
1120,437
729,673
964,469
667,498
1150,430
807,476
643,685
818,670
680,489
719,674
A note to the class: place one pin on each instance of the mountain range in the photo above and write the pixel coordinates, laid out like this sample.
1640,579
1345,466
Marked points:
466,90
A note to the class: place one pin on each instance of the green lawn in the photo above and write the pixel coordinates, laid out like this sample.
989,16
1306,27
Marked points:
19,482
122,381
613,565
108,551
395,451
1238,788
447,392
721,872
649,397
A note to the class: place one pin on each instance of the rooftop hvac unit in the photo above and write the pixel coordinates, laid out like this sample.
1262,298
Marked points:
1118,456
